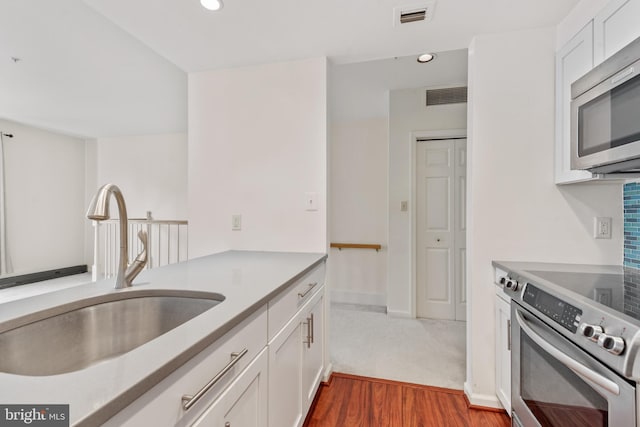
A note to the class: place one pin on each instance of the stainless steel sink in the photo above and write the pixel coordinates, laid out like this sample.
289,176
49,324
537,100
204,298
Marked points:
74,336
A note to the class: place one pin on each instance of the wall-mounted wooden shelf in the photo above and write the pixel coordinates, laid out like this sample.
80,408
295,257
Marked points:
341,246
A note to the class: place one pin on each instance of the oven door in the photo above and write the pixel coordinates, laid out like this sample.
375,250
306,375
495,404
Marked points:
556,384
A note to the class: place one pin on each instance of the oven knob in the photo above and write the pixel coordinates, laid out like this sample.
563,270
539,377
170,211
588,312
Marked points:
503,280
592,332
512,284
614,345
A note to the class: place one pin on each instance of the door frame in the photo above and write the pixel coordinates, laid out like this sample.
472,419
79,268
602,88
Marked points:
415,135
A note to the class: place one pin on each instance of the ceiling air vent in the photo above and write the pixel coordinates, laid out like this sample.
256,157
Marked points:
450,95
413,16
413,13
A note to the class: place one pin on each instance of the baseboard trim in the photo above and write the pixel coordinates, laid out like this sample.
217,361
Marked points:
399,314
356,297
485,402
394,382
328,371
25,279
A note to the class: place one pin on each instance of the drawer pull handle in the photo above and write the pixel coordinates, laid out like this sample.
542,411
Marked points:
305,293
189,400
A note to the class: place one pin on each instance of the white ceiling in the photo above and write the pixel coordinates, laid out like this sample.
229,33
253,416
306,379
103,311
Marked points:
360,90
82,74
258,31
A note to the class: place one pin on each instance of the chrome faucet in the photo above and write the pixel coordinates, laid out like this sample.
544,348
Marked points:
99,211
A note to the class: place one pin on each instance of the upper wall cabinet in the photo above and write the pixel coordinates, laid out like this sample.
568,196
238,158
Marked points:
615,26
572,61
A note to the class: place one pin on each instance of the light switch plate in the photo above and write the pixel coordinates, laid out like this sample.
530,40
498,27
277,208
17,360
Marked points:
311,201
236,222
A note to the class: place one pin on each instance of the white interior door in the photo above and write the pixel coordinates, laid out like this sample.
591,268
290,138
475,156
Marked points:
440,220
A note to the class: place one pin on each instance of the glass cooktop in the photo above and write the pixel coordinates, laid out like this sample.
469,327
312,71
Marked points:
621,292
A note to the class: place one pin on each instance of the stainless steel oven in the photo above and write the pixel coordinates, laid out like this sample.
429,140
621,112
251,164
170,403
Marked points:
574,350
556,384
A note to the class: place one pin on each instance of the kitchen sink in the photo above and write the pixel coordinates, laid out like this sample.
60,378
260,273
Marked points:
79,334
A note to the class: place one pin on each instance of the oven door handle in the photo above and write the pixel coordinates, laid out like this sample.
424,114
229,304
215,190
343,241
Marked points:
577,367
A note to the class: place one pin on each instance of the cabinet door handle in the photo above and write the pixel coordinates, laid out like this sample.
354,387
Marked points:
189,400
305,293
312,328
309,338
509,334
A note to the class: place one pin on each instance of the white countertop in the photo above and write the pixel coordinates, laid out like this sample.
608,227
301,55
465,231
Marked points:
522,268
246,279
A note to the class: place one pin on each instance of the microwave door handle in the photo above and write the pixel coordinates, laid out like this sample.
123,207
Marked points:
577,367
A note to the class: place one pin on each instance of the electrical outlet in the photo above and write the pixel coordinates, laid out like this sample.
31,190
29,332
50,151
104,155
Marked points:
236,222
602,227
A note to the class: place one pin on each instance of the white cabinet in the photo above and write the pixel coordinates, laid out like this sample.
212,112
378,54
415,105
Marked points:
572,62
614,27
162,405
285,376
312,351
244,403
272,383
503,349
296,363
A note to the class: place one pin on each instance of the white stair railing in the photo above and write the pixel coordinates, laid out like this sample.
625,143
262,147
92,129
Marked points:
167,243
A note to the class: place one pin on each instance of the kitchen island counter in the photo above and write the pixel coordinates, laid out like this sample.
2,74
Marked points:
247,280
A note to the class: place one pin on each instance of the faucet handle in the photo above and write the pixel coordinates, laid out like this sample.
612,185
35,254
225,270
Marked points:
144,238
141,260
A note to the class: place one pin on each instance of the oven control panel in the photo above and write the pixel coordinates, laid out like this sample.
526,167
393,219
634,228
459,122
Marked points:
557,310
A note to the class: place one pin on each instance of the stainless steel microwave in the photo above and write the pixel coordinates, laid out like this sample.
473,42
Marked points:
605,115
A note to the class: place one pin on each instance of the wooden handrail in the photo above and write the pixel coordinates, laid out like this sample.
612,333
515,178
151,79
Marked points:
341,246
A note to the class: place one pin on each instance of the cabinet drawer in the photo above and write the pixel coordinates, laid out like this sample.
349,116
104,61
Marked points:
285,305
162,405
244,403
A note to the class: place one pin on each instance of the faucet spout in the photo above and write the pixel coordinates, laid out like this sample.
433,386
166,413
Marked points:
99,211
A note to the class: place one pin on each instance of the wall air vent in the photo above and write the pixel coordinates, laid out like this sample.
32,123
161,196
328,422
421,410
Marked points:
449,95
413,13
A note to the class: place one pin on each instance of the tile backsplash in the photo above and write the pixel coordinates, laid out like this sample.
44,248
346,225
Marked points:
631,196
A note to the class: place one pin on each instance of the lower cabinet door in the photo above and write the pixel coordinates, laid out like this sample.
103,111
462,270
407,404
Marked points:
285,353
244,403
503,353
312,351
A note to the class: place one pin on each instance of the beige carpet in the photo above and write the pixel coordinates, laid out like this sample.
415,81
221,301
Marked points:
421,351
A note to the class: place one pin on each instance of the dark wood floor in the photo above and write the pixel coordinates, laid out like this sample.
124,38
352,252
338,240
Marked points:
352,401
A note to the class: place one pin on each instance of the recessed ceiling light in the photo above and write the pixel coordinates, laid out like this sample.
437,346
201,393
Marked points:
211,4
426,57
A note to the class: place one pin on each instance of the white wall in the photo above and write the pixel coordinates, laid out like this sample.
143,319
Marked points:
44,175
257,144
408,114
151,171
358,212
515,212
